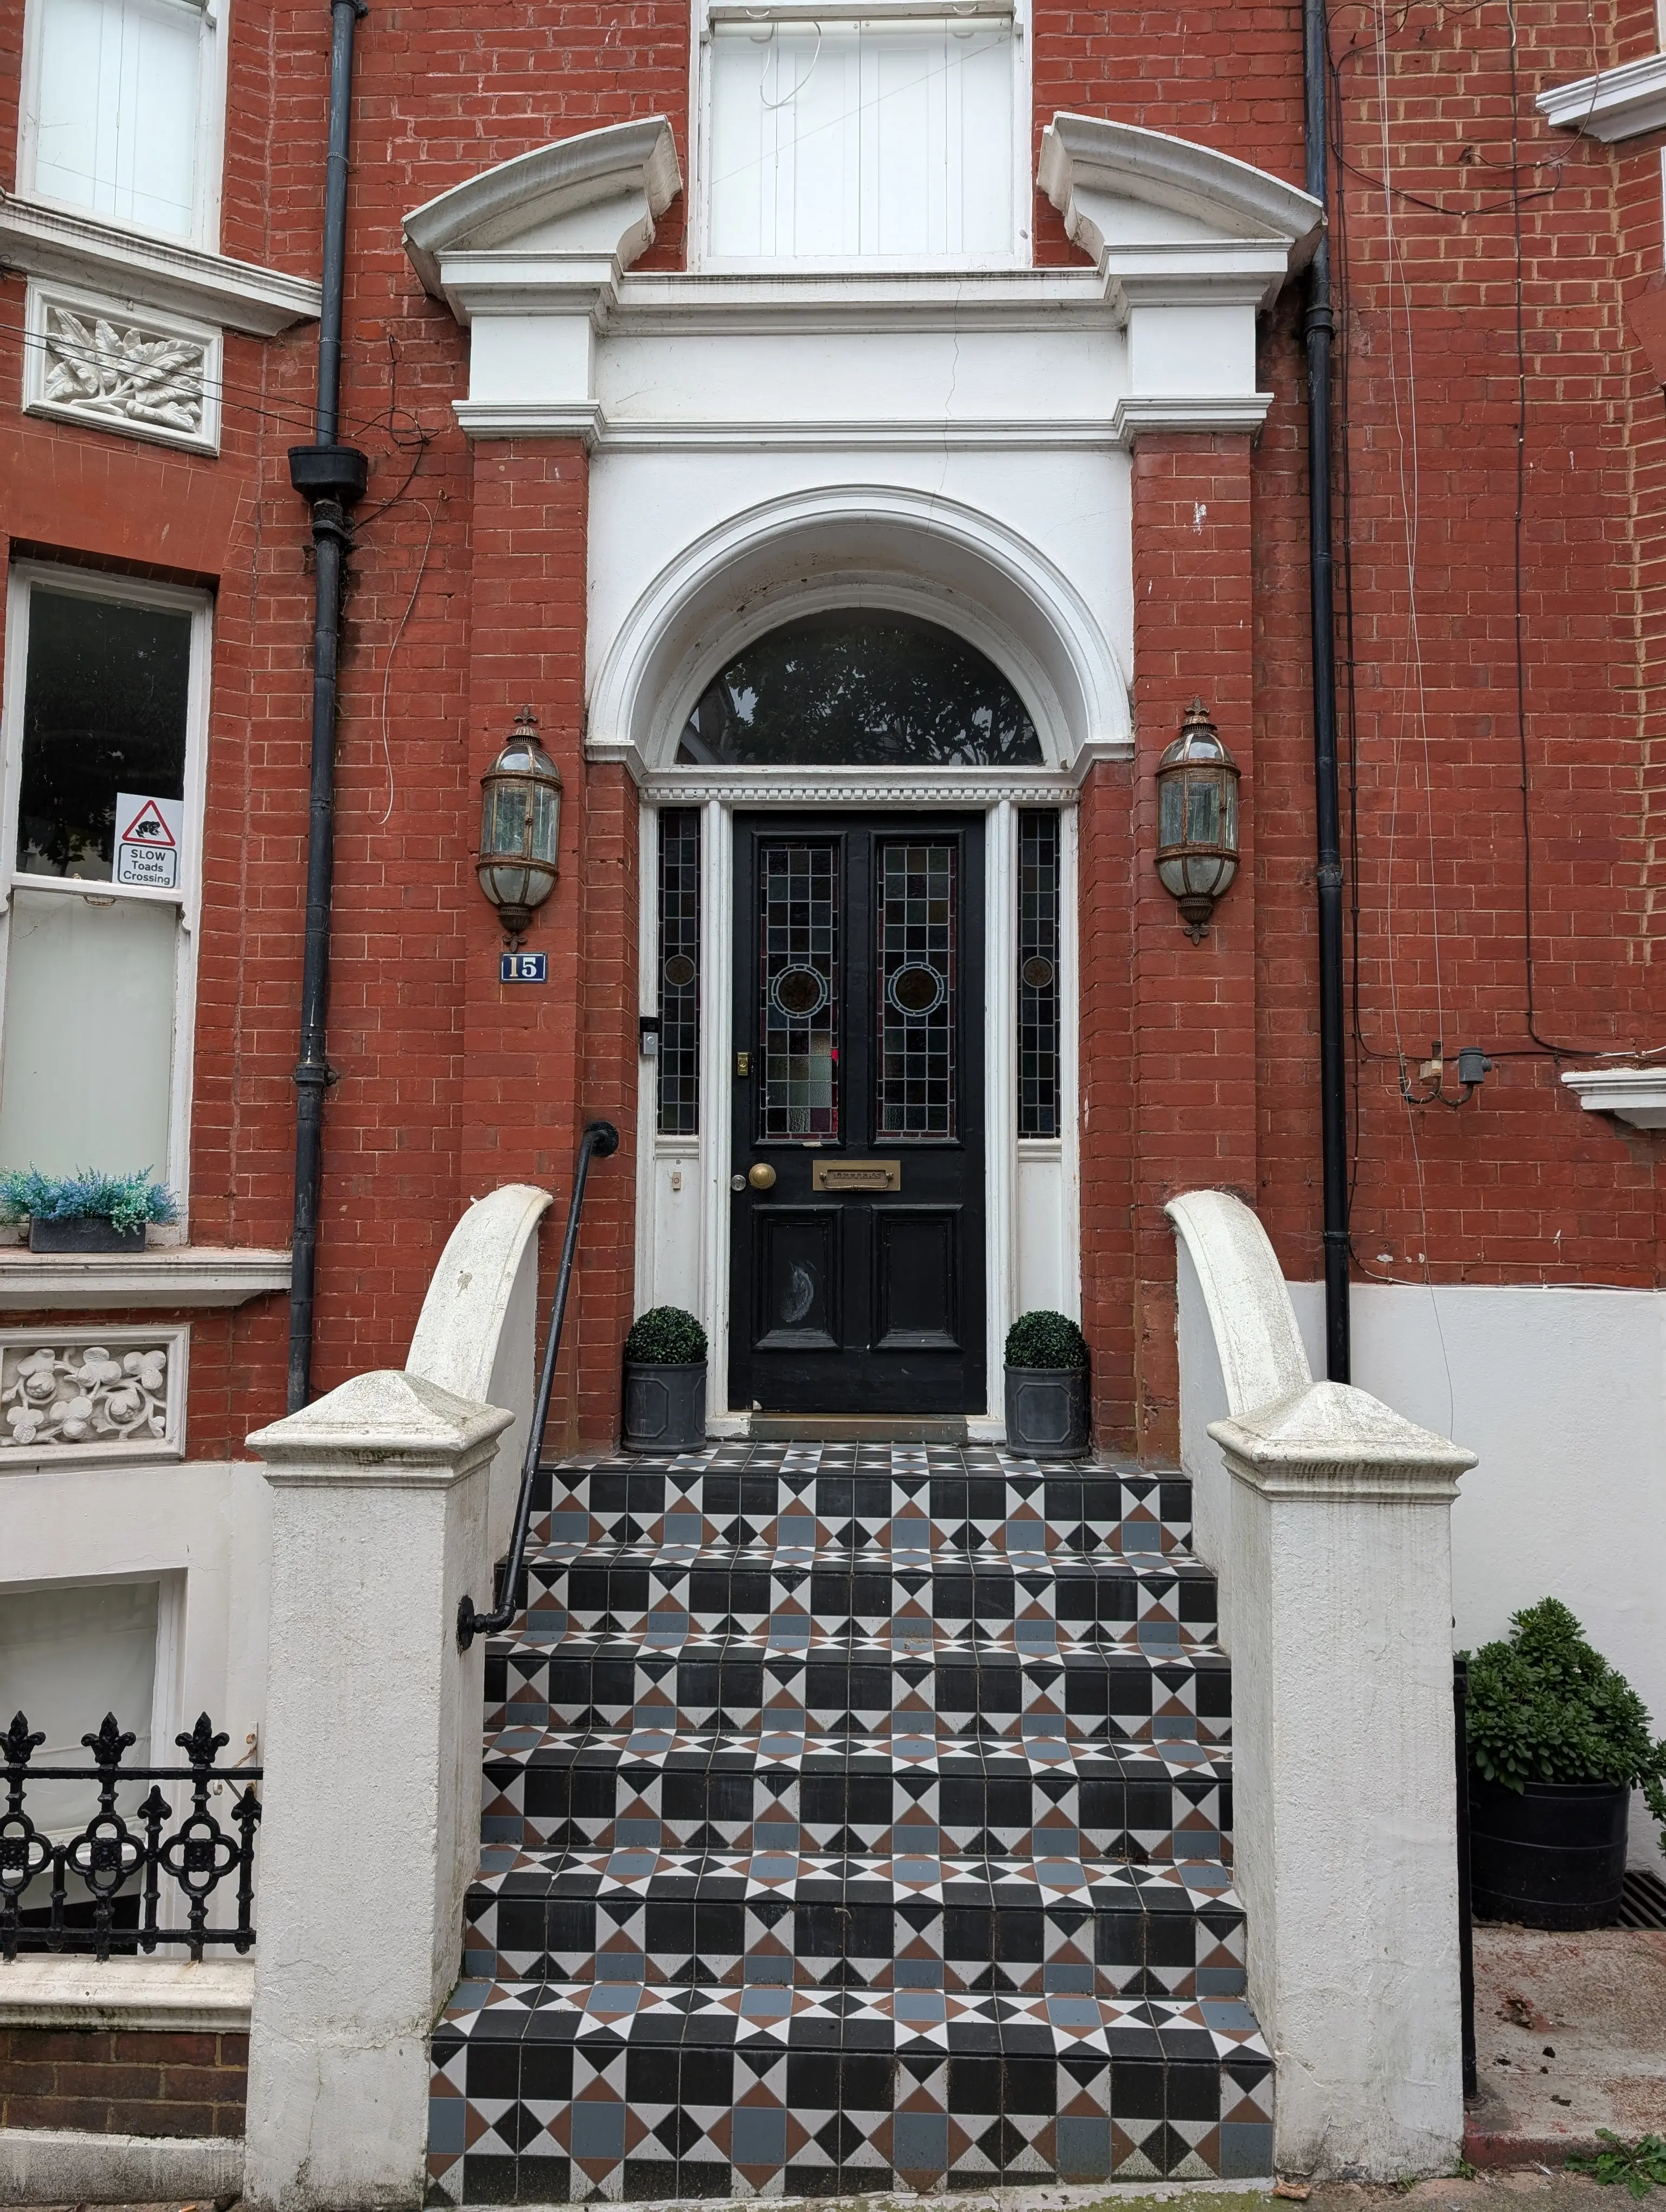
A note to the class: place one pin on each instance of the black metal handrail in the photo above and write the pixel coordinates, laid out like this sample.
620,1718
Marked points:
108,1854
599,1139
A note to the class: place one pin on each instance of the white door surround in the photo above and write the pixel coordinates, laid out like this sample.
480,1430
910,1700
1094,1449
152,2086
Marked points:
1032,1250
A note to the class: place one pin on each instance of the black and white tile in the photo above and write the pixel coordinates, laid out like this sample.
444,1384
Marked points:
854,1816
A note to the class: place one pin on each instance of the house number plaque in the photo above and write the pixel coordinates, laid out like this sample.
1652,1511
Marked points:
856,1175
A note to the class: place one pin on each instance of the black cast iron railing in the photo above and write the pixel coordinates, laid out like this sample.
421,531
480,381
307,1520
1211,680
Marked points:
599,1141
125,1864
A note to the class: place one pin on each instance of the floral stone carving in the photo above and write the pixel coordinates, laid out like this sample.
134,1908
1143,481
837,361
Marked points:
123,374
83,1395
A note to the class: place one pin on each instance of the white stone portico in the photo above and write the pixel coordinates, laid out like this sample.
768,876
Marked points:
770,441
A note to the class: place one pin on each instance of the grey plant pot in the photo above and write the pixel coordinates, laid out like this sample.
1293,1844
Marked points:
665,1405
91,1232
1047,1410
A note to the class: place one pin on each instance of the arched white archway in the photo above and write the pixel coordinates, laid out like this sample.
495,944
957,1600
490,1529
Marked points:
859,544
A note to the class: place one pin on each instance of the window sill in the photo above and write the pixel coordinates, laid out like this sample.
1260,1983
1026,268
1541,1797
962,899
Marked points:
50,241
1620,103
188,1275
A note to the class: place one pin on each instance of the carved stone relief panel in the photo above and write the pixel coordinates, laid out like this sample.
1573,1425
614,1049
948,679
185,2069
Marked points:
92,1394
121,368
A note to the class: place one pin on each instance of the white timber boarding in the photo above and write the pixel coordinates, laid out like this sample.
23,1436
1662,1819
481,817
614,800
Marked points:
947,439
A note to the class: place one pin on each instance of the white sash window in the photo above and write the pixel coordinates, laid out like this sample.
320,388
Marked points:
885,138
120,117
105,713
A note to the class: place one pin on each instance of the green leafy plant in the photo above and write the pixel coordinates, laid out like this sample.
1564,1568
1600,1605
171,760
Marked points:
1545,1707
1641,2166
1046,1340
127,1202
665,1336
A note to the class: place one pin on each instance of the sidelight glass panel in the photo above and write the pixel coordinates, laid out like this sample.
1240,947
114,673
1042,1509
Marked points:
917,950
798,935
879,690
679,972
1038,974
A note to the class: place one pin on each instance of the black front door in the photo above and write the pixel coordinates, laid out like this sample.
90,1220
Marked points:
856,1282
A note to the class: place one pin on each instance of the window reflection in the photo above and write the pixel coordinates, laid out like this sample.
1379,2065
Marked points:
875,690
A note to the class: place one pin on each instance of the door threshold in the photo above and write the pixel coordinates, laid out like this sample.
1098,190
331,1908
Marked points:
858,1428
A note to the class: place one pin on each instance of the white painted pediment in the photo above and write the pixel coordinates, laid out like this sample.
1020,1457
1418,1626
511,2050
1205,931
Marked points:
594,197
1118,186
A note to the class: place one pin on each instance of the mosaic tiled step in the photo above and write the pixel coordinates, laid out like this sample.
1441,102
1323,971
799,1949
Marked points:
741,1684
871,1595
851,1497
545,2092
1034,1924
855,1818
593,1789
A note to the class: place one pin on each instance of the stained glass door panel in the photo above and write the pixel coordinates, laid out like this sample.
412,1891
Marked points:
857,1246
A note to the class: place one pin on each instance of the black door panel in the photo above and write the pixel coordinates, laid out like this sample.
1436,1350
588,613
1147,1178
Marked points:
798,1274
916,1280
858,1039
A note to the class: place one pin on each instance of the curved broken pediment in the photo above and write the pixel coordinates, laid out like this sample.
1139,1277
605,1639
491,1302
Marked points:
596,195
1117,186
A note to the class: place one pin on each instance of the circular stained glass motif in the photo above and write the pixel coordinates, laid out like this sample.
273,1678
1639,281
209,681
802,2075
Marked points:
1036,972
799,993
679,971
917,990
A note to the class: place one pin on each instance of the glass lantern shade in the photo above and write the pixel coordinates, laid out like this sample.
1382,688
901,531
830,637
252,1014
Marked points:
1197,819
519,826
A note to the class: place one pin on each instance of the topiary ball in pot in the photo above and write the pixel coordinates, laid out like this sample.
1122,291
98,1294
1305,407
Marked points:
665,1381
1557,1740
1047,1387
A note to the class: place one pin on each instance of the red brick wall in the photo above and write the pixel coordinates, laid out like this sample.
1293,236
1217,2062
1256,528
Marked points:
122,2082
1199,1063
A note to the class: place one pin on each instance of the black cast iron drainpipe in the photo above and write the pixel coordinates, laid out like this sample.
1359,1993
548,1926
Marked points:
1318,327
330,476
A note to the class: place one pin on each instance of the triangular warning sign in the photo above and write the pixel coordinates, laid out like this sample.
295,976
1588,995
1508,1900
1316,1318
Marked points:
148,827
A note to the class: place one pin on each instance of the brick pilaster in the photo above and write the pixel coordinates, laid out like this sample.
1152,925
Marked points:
1192,1005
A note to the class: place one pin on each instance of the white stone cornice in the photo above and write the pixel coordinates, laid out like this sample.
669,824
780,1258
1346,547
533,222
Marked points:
1637,1095
108,1282
530,418
856,434
1144,412
140,271
1616,104
593,199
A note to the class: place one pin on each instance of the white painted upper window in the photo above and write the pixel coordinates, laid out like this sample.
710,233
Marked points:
883,138
121,113
106,706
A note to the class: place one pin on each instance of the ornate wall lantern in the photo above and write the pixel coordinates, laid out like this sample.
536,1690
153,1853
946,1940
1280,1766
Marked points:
519,826
1197,819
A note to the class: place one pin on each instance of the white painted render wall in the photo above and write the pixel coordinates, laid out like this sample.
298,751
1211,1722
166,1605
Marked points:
1563,1394
206,1526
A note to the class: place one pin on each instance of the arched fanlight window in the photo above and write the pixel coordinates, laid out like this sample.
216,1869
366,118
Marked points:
853,687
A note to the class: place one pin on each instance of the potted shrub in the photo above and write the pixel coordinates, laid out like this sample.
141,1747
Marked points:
84,1212
665,1381
1046,1387
1557,1740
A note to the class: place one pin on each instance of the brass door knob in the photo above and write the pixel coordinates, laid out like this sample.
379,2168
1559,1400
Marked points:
762,1175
